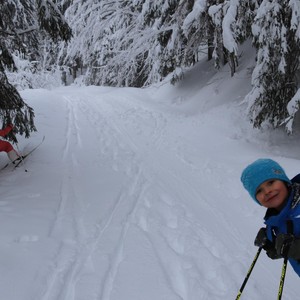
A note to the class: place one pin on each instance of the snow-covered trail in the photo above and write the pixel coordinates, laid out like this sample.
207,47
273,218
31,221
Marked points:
125,200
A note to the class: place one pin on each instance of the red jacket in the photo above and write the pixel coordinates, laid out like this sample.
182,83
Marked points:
6,130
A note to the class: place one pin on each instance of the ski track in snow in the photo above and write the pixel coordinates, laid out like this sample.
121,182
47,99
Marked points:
148,211
164,207
144,221
68,217
78,249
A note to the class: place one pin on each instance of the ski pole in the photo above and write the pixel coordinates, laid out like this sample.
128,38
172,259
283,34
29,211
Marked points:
248,274
290,229
282,278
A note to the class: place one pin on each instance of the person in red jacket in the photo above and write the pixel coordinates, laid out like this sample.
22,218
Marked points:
7,146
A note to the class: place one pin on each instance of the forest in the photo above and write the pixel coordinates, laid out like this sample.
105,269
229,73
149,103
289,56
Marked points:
136,43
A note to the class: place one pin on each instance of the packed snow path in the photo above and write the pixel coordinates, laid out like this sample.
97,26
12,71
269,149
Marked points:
126,200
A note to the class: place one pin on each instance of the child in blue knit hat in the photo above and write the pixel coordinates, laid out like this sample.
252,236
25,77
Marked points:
269,186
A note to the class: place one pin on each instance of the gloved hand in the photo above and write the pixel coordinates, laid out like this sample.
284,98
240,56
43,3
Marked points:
262,241
287,245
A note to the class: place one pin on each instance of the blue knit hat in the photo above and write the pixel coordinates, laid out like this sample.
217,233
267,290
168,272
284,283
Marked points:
260,171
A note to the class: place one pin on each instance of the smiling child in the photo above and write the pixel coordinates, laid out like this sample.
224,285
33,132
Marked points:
269,186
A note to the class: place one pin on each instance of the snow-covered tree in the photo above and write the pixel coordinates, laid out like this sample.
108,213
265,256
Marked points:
274,79
22,26
139,42
229,24
13,109
52,21
196,28
134,42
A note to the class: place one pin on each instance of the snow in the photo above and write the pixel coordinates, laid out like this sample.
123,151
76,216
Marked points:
198,8
229,39
135,194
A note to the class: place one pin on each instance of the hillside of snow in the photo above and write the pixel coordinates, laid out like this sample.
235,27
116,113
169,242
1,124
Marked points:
135,194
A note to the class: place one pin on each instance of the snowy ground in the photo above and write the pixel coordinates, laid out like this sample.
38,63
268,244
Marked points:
135,195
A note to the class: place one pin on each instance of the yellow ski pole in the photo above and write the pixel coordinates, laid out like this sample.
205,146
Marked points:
248,274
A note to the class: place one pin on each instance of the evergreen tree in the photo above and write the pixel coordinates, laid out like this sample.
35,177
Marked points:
138,42
21,23
274,80
197,30
134,42
52,21
13,109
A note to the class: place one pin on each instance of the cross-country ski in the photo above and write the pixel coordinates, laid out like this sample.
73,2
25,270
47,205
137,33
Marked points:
23,156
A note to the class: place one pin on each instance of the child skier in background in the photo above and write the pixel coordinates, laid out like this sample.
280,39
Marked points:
269,186
7,146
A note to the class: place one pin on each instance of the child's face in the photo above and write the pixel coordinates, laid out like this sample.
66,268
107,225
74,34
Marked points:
272,194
